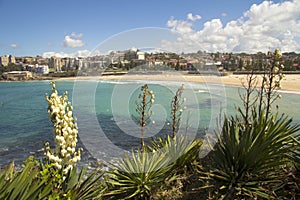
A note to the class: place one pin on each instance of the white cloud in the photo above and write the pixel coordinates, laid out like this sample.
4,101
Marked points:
79,53
13,45
73,40
224,14
82,53
78,36
192,17
263,27
56,54
180,26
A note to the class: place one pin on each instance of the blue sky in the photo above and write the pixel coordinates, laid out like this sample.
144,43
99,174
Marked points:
64,27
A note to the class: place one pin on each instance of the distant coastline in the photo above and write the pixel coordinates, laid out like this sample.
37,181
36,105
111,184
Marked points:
291,82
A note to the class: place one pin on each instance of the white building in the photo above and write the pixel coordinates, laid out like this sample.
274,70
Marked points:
41,69
141,55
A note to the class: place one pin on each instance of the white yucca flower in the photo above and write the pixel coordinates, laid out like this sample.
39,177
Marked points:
65,132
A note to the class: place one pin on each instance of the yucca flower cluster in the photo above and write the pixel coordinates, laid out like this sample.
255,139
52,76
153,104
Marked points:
65,132
277,67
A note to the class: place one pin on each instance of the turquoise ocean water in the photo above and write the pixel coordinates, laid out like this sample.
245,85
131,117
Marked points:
25,125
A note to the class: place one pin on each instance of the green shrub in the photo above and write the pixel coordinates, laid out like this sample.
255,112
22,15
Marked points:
248,162
24,184
76,187
181,152
138,176
184,156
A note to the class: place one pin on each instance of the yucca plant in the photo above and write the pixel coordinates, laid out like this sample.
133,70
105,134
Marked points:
24,184
178,148
181,152
249,163
59,167
46,179
136,176
30,183
77,187
183,155
253,148
293,173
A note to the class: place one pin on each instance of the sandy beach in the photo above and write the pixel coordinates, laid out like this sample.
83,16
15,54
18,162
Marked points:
291,82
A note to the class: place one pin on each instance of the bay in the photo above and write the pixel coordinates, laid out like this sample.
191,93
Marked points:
104,110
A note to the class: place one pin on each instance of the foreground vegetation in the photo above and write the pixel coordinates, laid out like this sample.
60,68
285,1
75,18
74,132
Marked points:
256,155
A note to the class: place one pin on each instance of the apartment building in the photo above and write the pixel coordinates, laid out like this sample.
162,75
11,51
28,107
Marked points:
4,60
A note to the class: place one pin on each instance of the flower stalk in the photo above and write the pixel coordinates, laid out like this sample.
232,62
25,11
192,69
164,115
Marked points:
271,82
177,110
143,110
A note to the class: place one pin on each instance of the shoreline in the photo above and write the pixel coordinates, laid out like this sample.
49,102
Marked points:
290,83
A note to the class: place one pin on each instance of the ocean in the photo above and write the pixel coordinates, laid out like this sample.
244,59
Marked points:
105,112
